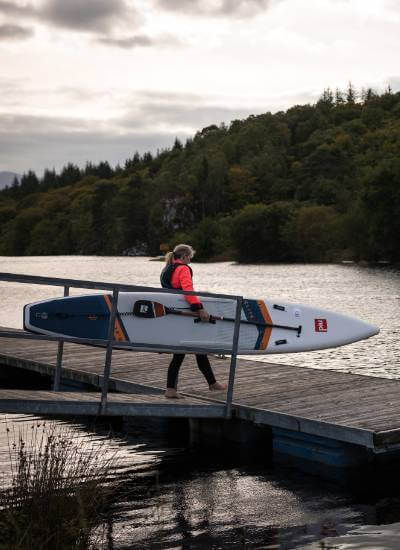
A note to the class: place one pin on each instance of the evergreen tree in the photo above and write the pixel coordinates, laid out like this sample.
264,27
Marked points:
49,180
326,102
29,183
339,99
69,175
351,95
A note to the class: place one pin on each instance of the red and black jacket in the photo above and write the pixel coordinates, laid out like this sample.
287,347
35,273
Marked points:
180,275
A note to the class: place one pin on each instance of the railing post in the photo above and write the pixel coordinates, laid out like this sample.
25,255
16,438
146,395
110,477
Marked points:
57,374
235,344
107,365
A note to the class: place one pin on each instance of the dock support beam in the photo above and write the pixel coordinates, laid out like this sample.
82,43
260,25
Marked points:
57,375
232,370
107,366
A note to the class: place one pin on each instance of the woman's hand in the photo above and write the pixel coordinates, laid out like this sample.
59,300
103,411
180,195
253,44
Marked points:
204,315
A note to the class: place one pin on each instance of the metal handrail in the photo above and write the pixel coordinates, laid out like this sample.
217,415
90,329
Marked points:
110,343
136,346
76,283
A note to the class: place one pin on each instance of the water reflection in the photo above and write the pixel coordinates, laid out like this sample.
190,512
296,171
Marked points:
170,496
196,505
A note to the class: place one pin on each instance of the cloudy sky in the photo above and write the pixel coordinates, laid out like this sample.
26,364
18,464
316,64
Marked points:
91,80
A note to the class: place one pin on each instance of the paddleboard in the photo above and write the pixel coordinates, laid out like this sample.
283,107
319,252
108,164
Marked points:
267,326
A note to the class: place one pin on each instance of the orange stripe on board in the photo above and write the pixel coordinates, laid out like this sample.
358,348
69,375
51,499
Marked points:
118,332
267,319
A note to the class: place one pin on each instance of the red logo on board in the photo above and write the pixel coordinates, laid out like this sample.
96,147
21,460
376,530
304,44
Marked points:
321,325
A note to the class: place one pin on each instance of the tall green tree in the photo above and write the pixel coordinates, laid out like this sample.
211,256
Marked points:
381,199
259,232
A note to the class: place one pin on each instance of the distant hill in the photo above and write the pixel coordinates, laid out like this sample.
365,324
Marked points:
6,178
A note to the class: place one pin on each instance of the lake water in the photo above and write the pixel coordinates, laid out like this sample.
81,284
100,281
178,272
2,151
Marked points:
184,497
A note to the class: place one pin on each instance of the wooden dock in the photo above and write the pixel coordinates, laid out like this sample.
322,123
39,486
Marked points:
348,408
87,403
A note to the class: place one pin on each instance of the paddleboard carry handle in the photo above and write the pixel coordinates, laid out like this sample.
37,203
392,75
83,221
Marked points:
210,320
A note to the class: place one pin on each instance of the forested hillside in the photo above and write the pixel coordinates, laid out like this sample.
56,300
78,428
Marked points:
315,183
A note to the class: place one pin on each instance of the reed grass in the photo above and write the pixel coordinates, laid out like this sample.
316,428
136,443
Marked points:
57,490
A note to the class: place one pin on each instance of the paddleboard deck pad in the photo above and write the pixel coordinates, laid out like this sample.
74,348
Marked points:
161,319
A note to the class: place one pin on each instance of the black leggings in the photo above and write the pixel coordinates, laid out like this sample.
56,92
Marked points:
202,362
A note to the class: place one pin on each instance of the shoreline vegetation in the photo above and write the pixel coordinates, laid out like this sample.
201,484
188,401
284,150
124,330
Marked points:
234,261
315,184
57,492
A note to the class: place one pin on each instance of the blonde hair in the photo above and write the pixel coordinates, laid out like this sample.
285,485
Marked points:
178,252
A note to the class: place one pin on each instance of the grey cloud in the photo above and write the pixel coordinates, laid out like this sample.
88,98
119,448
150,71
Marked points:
167,97
192,111
94,15
91,15
19,124
11,86
11,8
127,43
16,93
36,143
145,116
230,8
79,94
182,115
15,32
98,17
139,41
31,151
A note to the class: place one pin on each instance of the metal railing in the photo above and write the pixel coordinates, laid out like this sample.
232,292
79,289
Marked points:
110,343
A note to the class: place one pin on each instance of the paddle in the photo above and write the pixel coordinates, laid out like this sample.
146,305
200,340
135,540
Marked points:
150,310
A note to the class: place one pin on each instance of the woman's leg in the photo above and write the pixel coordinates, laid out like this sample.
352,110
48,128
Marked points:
173,373
204,365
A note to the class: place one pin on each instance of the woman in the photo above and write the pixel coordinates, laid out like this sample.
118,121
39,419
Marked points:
177,274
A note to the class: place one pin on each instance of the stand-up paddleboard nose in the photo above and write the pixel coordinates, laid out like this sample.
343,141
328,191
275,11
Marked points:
357,330
360,330
373,330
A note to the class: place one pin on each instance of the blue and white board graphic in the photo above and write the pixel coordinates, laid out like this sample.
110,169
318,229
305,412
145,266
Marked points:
165,320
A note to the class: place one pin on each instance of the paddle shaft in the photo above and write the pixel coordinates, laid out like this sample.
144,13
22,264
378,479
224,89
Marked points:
232,320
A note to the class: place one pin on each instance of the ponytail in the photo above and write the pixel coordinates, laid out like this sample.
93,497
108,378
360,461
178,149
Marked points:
169,258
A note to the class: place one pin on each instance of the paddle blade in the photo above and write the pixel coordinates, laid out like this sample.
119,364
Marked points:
148,309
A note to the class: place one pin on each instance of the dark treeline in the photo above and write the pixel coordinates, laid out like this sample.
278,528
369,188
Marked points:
315,183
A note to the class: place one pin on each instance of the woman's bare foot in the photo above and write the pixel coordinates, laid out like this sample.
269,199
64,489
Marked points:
172,394
217,386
